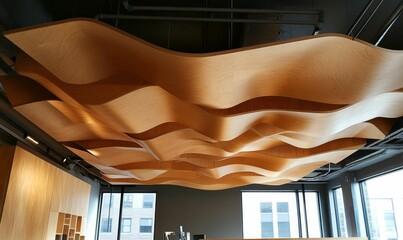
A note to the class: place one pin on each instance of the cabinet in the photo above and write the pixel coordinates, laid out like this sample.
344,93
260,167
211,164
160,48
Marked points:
69,227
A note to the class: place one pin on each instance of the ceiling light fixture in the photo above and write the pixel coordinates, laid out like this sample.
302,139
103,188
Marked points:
31,139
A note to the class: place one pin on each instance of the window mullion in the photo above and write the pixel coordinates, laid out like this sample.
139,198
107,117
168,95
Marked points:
122,190
299,214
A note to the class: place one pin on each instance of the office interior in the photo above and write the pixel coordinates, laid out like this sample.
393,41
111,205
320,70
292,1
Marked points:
56,186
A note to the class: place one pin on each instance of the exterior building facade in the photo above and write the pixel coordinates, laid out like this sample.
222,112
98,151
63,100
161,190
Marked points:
138,213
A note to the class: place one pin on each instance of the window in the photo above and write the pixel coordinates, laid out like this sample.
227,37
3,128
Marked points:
146,225
106,225
275,214
127,215
127,200
313,225
109,216
266,215
148,201
383,206
340,213
107,200
266,207
126,225
283,218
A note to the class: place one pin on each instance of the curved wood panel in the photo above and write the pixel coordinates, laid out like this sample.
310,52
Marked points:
267,114
305,63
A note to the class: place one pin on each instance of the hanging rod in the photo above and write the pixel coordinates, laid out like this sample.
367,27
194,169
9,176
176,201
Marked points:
226,10
194,19
389,23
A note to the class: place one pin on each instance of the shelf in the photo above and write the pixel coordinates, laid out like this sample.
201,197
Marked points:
73,221
79,220
60,221
69,227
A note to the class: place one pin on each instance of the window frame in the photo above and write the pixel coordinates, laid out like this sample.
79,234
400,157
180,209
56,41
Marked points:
146,202
337,214
122,226
125,202
270,223
297,189
121,190
151,226
364,200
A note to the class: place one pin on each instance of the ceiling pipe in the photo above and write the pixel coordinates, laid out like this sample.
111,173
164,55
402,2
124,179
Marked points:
385,143
385,28
360,17
368,19
226,10
361,162
194,19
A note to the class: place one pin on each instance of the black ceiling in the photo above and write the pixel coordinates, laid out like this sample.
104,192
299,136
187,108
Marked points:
196,30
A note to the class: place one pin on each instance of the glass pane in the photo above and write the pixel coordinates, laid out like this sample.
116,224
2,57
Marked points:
267,230
268,217
312,210
148,201
282,207
106,225
284,229
142,218
127,200
283,217
269,214
266,207
340,213
126,225
108,229
146,225
384,206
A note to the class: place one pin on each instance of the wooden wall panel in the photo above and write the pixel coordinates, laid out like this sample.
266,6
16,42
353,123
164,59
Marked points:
57,193
27,206
53,217
37,192
6,160
68,194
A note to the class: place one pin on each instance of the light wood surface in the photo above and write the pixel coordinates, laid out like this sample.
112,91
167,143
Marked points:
37,192
267,114
6,161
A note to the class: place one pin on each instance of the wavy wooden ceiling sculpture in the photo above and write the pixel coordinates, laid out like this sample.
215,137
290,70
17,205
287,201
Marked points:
268,114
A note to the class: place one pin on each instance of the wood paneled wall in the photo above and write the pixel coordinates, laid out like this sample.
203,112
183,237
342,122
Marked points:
37,191
6,160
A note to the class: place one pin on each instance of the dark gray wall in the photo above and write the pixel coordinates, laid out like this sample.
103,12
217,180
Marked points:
93,207
218,214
